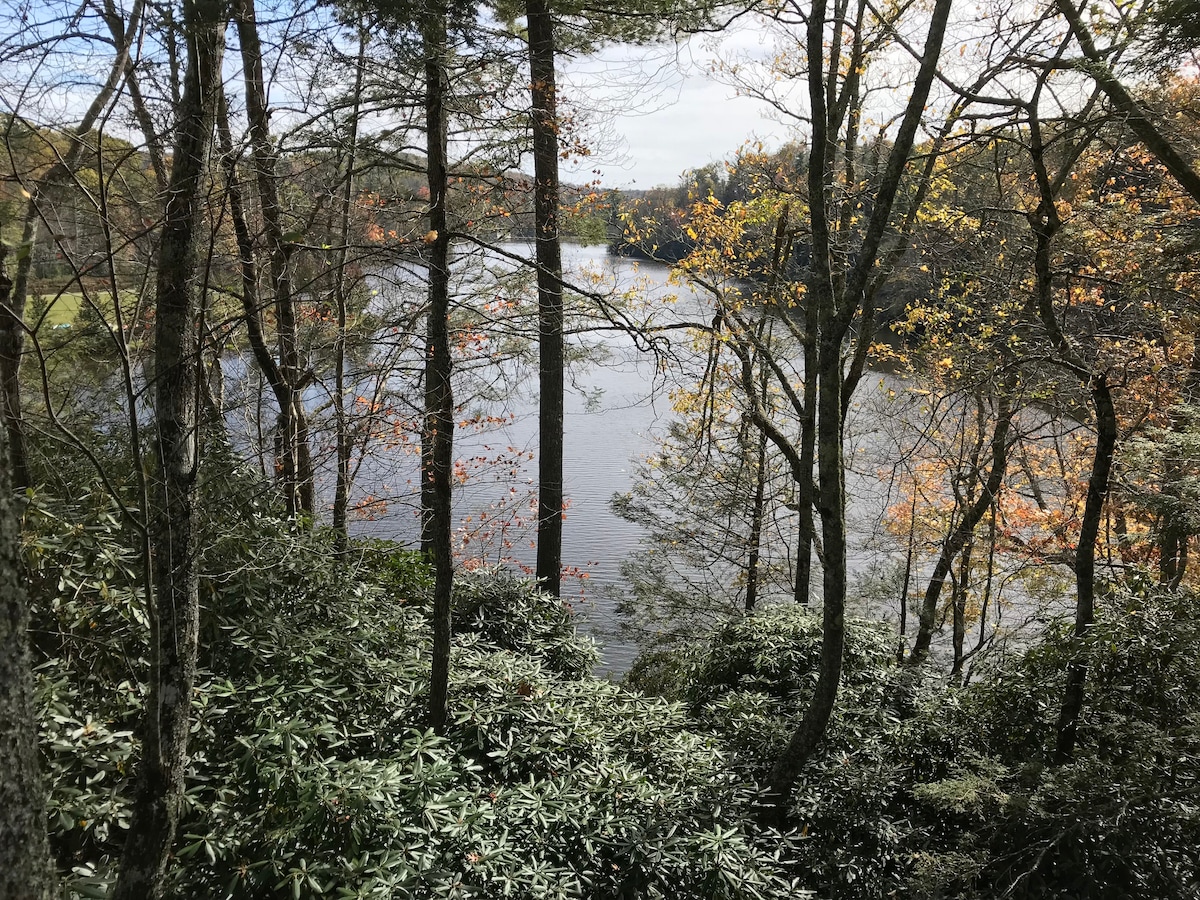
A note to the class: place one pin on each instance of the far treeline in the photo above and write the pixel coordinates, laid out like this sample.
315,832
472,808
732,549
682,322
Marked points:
254,257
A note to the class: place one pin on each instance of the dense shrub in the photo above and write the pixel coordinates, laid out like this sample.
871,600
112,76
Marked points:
313,772
1123,818
512,614
750,679
749,682
923,789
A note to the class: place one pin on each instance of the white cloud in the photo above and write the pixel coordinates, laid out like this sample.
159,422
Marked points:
652,113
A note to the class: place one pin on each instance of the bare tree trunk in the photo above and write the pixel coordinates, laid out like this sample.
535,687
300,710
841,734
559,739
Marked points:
1172,546
26,871
832,507
1085,566
550,295
961,586
341,492
908,571
828,413
805,487
1175,537
962,533
757,515
152,141
251,308
12,343
758,504
296,455
437,440
988,580
175,607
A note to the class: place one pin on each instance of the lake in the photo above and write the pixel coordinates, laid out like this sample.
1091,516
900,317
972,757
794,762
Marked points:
615,405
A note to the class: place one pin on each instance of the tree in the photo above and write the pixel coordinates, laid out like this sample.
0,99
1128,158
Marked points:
176,601
286,374
1065,336
848,260
1140,121
26,870
546,130
323,230
437,436
550,293
714,499
343,440
980,496
1045,222
1166,30
42,194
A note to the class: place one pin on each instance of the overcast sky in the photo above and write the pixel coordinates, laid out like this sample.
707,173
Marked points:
655,112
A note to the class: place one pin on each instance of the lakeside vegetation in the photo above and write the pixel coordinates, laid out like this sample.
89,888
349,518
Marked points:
273,245
314,771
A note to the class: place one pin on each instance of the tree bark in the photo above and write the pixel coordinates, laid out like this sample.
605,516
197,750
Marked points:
26,871
963,532
828,341
341,492
805,486
295,460
1175,535
1085,566
1172,550
550,295
959,588
437,440
175,606
908,571
832,507
757,516
248,263
758,507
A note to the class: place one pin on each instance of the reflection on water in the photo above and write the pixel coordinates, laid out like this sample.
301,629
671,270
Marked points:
616,399
613,403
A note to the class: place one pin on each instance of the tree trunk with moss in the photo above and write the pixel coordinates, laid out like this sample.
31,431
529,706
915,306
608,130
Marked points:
26,872
437,439
175,608
550,295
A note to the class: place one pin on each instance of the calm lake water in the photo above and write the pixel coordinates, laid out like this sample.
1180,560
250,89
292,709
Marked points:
614,402
614,407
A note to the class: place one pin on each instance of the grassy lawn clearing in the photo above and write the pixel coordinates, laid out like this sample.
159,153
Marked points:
64,307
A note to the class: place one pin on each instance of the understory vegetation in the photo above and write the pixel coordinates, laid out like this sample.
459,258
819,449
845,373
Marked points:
314,772
271,271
